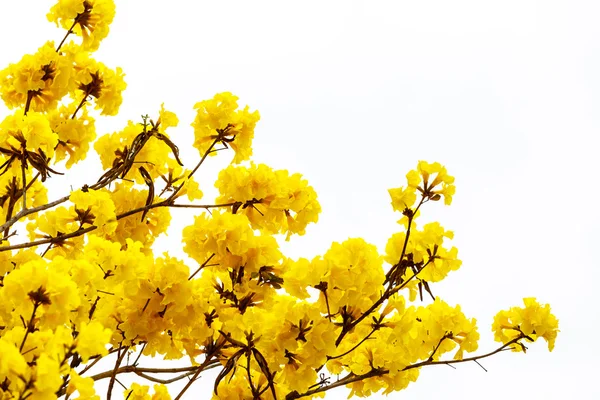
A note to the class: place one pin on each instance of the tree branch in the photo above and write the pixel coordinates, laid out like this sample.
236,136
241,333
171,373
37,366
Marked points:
140,370
351,378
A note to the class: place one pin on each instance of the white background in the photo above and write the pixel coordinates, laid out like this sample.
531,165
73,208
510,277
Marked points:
353,94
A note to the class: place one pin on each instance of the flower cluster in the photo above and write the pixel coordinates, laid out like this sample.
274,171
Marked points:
220,121
273,201
533,321
89,284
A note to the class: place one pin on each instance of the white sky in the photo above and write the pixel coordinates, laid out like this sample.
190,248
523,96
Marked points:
353,94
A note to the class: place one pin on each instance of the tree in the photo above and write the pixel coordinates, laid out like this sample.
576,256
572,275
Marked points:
86,287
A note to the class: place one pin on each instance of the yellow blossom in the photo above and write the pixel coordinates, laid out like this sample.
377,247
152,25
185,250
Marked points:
95,208
92,340
39,80
87,18
74,134
219,120
273,201
85,387
48,377
31,131
534,320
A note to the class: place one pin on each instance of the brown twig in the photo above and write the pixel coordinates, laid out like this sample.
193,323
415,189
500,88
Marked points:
201,266
68,33
201,368
137,370
351,378
113,375
387,294
24,179
29,326
353,348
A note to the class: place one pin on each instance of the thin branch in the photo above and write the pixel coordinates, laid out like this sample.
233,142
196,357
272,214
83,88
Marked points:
201,368
100,184
353,348
68,33
26,212
24,179
140,354
206,153
164,381
351,378
29,326
206,206
474,358
387,294
113,376
88,367
201,267
81,103
137,370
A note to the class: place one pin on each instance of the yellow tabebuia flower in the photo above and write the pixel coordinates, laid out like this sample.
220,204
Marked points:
534,320
273,201
38,81
87,18
74,134
232,241
84,386
219,120
403,198
431,180
156,221
92,340
31,131
95,80
48,377
137,392
38,282
349,275
425,248
441,182
12,363
161,392
95,207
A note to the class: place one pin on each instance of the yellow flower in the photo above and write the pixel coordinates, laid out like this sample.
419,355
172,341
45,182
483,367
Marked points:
231,239
156,221
402,198
12,363
430,179
89,19
95,207
137,392
220,120
166,119
442,178
48,375
161,392
534,320
92,340
85,387
31,131
425,247
273,201
93,78
37,281
74,134
43,77
352,272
